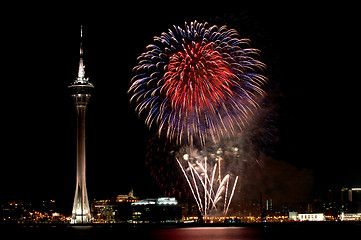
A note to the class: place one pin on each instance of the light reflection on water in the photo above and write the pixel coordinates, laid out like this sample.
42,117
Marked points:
131,232
284,231
206,233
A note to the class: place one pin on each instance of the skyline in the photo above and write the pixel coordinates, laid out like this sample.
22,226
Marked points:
314,106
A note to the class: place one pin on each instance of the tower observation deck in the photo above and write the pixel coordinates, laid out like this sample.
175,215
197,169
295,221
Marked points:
80,90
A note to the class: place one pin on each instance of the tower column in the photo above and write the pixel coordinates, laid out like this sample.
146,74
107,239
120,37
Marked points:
81,210
81,145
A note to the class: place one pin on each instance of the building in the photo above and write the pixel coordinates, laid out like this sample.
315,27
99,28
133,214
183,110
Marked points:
103,211
293,216
117,210
350,216
313,217
156,210
127,198
81,88
351,200
356,199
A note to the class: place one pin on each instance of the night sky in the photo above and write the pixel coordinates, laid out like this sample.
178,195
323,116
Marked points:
312,53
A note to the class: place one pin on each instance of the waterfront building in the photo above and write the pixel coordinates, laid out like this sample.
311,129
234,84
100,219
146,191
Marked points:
116,210
156,210
313,217
350,216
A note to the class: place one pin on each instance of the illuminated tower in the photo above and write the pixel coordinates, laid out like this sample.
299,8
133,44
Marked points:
80,89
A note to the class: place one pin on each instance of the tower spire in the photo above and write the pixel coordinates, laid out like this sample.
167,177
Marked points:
81,41
81,72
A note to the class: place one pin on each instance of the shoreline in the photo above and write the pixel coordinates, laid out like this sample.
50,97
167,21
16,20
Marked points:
189,225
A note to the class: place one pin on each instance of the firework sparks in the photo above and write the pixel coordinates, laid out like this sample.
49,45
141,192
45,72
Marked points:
208,188
197,81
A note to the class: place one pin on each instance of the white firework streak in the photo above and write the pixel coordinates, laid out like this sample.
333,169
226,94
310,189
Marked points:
190,185
206,191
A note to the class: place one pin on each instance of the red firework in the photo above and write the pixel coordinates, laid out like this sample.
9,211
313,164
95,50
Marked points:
197,78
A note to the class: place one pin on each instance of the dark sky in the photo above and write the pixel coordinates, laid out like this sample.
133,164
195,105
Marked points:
312,53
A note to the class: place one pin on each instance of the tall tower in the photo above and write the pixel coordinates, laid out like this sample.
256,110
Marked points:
80,89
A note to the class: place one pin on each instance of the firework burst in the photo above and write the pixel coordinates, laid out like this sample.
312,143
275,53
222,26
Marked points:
198,81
